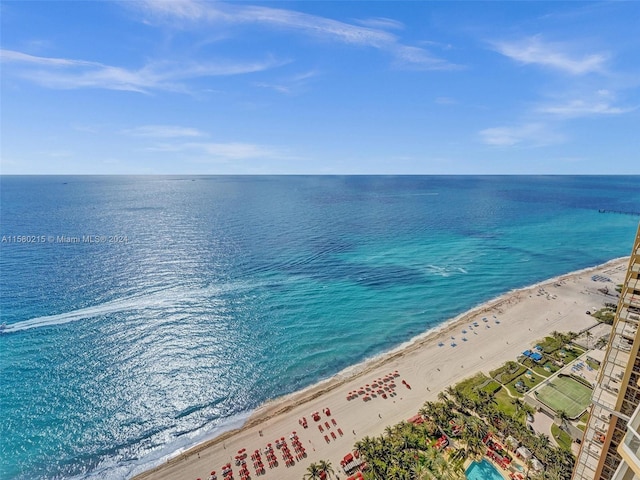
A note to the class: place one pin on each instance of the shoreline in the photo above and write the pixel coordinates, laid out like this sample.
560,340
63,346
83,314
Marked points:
415,360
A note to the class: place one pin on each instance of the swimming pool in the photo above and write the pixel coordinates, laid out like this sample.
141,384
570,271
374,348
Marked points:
483,470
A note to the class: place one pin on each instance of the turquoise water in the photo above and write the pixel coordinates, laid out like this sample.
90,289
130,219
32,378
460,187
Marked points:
483,471
210,295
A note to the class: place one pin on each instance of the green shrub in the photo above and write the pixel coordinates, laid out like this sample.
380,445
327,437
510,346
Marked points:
605,315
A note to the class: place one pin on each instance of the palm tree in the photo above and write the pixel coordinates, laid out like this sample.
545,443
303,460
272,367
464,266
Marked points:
379,467
428,410
457,468
499,420
458,454
486,402
449,406
419,470
366,447
475,448
427,462
588,335
528,408
526,475
456,395
540,445
467,403
562,415
518,404
313,472
326,468
443,467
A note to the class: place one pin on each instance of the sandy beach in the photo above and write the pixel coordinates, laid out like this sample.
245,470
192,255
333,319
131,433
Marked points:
496,332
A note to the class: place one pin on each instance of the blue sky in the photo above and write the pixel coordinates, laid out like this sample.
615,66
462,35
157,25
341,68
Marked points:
327,87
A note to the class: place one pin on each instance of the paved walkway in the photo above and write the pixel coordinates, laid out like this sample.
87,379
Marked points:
542,424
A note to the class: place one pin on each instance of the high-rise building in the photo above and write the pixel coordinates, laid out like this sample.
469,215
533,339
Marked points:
616,395
629,450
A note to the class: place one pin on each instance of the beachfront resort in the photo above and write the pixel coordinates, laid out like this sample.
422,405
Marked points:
485,427
527,416
609,448
482,428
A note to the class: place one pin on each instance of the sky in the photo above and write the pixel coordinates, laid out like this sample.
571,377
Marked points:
327,87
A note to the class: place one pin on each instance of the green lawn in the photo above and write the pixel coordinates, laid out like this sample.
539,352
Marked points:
593,365
530,382
571,355
562,437
512,389
549,344
504,403
584,418
505,374
540,369
491,387
468,386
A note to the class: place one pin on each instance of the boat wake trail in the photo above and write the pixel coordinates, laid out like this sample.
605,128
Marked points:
156,300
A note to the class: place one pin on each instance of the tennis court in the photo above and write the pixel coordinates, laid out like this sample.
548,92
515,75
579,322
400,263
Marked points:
565,393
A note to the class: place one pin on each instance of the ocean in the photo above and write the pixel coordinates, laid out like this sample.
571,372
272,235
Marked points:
145,314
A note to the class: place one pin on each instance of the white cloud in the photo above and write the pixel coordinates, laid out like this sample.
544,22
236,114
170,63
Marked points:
530,134
164,131
381,22
291,85
558,56
181,9
70,73
221,151
19,57
236,151
312,25
63,73
582,108
415,57
602,102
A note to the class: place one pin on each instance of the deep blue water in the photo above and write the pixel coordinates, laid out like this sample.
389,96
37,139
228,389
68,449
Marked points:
222,292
